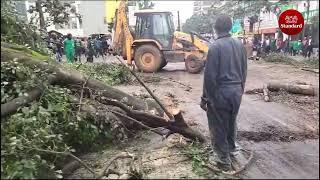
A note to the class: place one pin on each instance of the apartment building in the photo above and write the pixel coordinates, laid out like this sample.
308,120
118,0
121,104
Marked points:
267,24
92,17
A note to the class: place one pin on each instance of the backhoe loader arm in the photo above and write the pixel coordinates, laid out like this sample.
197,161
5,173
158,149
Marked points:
193,39
122,39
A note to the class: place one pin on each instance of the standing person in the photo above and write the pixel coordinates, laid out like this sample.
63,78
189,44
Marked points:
267,47
100,48
69,48
58,46
256,47
279,45
304,46
309,47
299,47
91,51
104,45
273,46
78,48
224,80
285,48
291,51
109,44
295,47
95,42
85,46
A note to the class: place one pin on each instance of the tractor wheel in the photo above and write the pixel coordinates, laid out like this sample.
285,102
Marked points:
148,58
194,64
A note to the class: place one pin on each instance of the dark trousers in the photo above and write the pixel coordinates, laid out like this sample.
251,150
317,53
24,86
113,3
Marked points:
78,54
222,120
309,51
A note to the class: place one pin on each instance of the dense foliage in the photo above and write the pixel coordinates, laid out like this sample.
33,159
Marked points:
49,124
199,23
14,29
313,62
203,23
110,73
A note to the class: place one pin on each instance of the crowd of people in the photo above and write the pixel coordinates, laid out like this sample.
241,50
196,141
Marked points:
288,47
74,48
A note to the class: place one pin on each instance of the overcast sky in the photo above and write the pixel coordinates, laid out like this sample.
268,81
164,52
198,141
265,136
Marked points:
185,8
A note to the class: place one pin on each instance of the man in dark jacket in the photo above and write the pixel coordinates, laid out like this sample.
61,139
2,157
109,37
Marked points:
224,80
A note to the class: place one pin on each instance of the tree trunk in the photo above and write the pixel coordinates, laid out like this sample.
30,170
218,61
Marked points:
75,79
41,16
295,88
12,106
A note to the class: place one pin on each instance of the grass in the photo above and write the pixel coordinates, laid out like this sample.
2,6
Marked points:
109,73
25,50
283,59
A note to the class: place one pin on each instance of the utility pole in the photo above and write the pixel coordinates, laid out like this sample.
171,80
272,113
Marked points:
178,28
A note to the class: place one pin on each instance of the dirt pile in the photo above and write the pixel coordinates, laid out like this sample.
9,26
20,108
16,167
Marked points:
271,133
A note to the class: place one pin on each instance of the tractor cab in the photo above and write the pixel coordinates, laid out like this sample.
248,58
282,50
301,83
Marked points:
155,25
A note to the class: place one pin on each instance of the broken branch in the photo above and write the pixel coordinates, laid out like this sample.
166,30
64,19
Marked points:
149,91
266,93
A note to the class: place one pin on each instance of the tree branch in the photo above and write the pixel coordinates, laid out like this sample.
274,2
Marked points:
65,154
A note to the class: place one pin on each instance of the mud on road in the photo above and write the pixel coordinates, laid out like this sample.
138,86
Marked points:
283,134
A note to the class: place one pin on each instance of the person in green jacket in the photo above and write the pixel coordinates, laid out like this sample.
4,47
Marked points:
296,47
69,48
299,47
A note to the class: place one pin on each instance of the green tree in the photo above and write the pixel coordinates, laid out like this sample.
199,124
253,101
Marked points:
14,29
58,12
236,9
145,4
198,23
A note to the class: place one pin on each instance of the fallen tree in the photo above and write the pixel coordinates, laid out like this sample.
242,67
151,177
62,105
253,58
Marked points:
294,88
297,88
147,112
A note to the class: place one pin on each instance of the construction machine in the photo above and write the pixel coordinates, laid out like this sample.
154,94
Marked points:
154,42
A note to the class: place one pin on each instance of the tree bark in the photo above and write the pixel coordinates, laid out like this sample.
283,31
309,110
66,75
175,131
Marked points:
295,88
12,106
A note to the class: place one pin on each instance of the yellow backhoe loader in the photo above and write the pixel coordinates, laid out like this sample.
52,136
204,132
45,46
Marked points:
154,42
